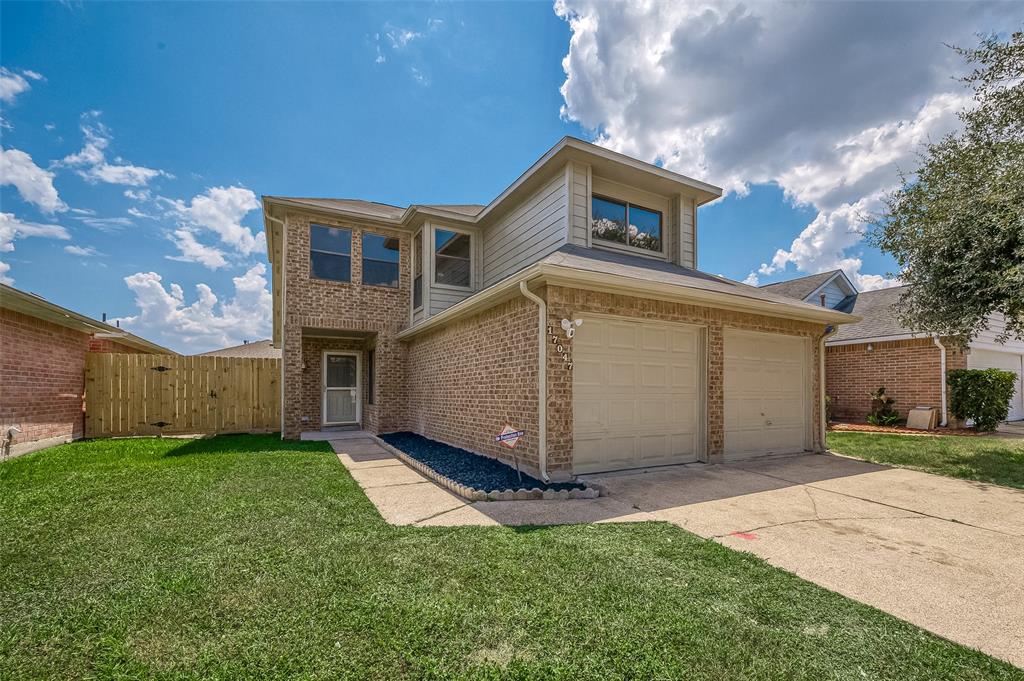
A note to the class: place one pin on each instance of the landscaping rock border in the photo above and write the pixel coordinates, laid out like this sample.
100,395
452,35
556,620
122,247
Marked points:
471,494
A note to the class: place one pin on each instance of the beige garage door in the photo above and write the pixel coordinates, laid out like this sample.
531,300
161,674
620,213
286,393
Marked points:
635,394
1007,361
767,394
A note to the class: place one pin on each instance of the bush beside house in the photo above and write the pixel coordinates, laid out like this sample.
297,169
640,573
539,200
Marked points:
981,395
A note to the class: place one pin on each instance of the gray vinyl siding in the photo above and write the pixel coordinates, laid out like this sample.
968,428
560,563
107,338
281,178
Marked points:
833,295
579,213
442,298
686,233
529,232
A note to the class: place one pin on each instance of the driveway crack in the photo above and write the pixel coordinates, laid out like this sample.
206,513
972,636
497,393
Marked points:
821,520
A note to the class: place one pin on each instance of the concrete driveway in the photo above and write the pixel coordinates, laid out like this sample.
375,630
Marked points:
945,554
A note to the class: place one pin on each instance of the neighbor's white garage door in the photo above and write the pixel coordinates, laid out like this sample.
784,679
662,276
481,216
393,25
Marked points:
635,394
767,394
1007,361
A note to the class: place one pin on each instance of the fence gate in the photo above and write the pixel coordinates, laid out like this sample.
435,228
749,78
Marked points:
151,394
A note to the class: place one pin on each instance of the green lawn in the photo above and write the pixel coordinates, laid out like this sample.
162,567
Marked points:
985,459
246,557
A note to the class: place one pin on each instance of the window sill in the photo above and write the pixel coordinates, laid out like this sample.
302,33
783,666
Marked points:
451,287
331,281
623,248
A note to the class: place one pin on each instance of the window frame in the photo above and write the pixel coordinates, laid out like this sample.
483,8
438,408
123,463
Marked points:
604,243
362,259
417,259
371,375
318,250
433,258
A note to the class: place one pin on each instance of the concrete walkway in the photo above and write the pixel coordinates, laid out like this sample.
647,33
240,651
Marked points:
944,554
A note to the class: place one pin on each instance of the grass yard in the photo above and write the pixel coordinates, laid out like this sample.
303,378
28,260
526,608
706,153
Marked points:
246,557
985,459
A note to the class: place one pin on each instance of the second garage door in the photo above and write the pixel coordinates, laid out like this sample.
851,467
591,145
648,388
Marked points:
636,398
767,394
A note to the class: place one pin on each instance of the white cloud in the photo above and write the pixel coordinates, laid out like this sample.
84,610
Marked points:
206,323
400,37
34,184
221,210
92,164
827,100
84,251
751,279
13,83
193,251
138,194
12,228
106,224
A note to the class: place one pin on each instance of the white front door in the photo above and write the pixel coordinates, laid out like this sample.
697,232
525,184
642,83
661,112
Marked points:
636,394
767,394
341,388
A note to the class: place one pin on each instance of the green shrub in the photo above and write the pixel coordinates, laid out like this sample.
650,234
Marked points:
982,395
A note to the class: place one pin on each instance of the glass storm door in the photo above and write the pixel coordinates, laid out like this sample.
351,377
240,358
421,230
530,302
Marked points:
341,389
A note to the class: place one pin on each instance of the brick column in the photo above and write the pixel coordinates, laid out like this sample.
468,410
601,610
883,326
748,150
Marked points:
715,392
291,358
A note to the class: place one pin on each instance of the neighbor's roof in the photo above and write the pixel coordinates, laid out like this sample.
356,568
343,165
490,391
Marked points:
36,306
259,349
802,287
878,317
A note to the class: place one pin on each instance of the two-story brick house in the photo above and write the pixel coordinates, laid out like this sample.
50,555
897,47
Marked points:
450,321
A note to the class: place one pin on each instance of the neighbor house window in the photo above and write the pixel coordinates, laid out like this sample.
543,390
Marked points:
620,222
417,271
380,260
371,375
452,258
330,253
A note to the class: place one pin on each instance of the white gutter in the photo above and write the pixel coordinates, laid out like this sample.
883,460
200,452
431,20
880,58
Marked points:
879,339
821,379
942,375
542,379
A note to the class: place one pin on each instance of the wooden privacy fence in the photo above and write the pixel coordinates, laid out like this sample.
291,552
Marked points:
169,394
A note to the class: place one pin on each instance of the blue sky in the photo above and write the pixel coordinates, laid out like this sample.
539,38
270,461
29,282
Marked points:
150,128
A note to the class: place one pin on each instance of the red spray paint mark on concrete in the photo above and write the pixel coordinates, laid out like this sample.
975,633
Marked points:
749,536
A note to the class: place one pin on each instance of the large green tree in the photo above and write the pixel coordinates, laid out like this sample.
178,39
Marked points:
956,226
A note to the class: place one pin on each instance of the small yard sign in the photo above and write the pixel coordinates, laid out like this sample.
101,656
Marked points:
508,436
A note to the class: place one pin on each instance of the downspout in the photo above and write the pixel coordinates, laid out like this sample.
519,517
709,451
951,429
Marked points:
542,379
942,375
829,332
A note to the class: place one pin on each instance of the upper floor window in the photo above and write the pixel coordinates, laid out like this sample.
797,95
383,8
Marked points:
620,222
452,259
330,253
380,260
417,271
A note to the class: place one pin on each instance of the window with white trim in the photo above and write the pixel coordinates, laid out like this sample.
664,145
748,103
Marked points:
625,224
453,258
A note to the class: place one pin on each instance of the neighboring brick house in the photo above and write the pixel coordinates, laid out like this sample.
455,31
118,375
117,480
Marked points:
42,369
879,351
450,321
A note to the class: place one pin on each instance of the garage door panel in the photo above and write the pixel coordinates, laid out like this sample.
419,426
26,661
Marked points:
640,408
766,393
654,339
622,336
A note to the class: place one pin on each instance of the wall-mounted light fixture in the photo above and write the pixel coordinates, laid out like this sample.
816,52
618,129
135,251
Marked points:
567,326
871,348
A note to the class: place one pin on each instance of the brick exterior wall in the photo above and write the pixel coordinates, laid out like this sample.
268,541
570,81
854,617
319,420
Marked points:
372,315
567,303
909,370
470,378
42,377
